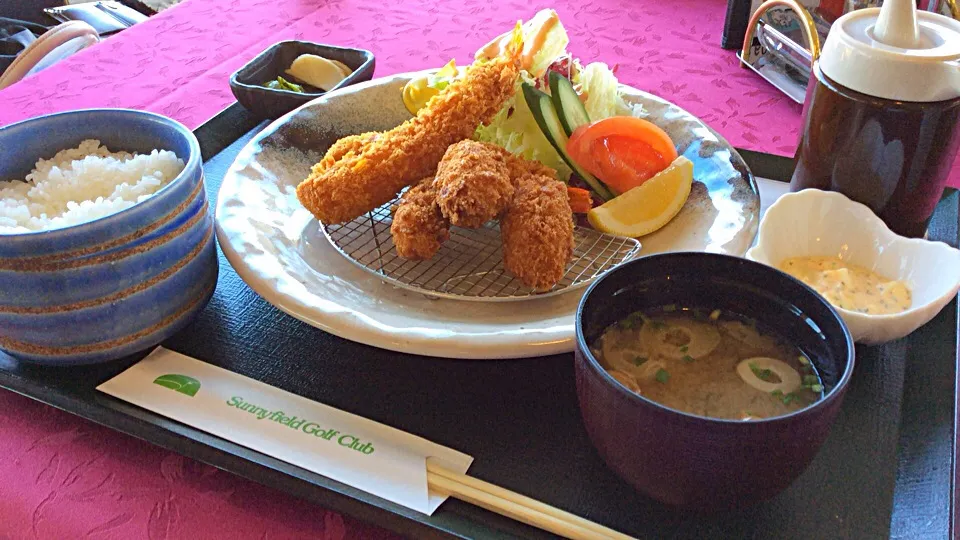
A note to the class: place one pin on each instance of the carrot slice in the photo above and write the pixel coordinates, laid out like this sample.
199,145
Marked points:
581,201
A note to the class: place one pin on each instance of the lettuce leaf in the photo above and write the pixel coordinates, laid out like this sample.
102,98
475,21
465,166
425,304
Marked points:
515,129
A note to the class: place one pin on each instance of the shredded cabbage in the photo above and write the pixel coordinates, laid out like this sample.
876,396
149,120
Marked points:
600,85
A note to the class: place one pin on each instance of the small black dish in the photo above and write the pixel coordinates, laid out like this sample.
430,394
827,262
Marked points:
247,81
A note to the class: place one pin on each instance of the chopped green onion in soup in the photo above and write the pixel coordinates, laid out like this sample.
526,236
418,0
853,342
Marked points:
717,366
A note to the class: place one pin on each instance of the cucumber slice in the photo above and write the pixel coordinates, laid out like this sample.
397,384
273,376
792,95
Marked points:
569,107
546,116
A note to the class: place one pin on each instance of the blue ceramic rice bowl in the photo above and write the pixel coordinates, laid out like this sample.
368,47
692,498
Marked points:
117,285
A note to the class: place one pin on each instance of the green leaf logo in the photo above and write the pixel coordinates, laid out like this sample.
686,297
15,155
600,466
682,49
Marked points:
180,383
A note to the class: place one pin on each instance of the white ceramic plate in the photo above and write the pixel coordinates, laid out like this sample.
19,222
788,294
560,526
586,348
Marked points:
824,223
277,247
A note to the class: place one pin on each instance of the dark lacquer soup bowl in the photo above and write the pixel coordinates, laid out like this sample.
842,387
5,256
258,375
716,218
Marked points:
694,461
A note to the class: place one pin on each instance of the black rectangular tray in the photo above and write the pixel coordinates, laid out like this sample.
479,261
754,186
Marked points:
888,468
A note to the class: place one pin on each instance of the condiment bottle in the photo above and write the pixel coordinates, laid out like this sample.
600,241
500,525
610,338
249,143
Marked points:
882,112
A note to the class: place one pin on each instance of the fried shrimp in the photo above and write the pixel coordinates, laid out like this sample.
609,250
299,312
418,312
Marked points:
346,146
537,232
419,228
473,184
365,179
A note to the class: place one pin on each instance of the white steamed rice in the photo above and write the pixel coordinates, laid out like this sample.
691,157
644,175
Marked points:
83,184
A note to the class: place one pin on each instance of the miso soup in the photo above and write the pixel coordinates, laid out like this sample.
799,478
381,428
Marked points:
708,363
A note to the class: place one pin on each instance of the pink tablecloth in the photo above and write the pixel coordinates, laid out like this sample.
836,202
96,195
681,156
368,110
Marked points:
66,478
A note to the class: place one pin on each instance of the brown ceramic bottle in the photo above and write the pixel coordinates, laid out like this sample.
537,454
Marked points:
882,112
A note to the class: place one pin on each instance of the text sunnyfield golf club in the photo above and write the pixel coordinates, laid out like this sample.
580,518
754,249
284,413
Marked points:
302,424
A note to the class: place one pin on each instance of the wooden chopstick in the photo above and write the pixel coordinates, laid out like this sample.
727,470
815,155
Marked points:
516,506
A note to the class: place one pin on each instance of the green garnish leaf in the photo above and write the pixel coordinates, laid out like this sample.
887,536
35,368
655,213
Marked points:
762,374
777,393
810,379
289,85
817,388
639,360
803,360
662,375
282,84
437,82
687,358
789,398
684,348
631,320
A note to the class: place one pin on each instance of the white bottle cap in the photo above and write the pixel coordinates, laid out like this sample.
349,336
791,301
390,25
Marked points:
895,52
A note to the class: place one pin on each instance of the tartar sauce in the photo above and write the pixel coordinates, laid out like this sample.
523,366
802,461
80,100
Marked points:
849,286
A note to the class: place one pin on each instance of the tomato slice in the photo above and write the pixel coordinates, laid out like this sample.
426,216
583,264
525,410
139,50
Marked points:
610,169
636,128
582,154
636,154
574,143
628,162
622,151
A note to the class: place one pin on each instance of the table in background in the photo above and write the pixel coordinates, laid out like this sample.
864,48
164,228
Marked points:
32,10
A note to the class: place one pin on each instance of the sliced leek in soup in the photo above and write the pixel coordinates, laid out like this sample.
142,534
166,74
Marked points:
708,363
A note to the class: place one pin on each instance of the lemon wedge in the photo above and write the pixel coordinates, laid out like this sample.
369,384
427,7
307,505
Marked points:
417,92
316,71
646,208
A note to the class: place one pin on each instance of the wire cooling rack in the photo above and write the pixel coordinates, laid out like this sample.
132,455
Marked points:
469,266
